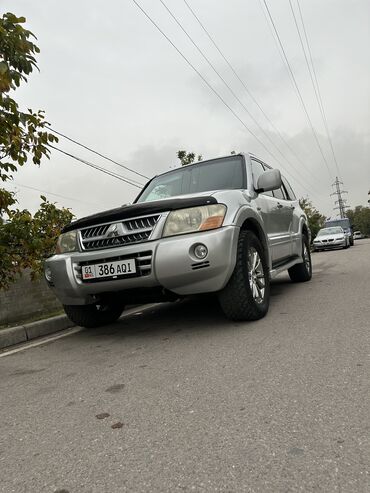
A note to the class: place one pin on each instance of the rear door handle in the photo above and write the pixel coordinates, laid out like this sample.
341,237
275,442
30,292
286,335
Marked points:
279,206
292,206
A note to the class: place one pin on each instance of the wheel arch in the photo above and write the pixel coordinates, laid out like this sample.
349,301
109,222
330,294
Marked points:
305,229
252,222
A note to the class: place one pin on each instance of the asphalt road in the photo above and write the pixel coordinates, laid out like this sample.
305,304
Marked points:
278,405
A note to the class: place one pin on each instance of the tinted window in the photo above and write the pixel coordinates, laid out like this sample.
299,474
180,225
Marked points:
219,174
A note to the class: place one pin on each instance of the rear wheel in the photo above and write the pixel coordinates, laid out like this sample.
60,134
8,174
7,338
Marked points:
247,294
302,272
93,315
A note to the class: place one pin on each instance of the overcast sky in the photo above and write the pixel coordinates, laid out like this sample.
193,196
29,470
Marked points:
110,80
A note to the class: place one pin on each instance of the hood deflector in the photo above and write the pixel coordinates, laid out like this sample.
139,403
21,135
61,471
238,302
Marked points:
142,209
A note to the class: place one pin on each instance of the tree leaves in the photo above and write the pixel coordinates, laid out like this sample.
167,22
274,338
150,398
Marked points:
187,158
26,240
315,219
22,134
360,219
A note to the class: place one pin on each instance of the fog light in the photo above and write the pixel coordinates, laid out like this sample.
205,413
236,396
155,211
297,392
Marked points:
48,274
200,251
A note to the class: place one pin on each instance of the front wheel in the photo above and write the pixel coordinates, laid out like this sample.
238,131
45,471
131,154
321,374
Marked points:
93,315
247,294
302,272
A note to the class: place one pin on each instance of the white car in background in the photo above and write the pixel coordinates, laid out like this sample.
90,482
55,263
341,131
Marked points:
357,235
328,238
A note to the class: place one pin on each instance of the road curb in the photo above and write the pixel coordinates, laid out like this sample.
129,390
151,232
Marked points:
27,332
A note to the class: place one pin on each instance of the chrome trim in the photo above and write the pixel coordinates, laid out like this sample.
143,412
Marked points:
118,233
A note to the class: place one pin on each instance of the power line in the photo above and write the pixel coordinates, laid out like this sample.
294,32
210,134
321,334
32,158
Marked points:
96,152
206,82
250,94
318,89
16,184
87,163
227,85
297,88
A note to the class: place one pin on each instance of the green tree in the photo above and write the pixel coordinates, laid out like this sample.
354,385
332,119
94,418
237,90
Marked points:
360,219
187,157
24,239
22,134
316,220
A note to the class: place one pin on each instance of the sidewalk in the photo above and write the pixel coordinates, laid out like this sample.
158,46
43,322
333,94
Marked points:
28,331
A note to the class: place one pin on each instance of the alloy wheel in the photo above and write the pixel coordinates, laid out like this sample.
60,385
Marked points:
256,275
306,257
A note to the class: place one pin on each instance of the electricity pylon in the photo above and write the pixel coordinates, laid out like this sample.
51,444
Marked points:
341,202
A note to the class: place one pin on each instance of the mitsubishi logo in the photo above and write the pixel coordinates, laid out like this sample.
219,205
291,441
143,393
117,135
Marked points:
115,230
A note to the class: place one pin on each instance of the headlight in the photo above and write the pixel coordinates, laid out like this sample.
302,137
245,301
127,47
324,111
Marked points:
67,242
194,219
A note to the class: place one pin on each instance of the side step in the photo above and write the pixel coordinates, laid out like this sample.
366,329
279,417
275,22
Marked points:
285,264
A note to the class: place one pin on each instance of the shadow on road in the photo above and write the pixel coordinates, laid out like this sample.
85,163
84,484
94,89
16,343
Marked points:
191,314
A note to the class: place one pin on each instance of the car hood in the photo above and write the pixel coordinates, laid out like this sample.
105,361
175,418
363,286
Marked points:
335,236
144,209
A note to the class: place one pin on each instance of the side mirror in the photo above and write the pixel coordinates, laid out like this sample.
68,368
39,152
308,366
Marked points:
269,180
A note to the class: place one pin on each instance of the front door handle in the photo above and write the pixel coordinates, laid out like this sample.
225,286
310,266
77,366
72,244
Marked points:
292,207
279,206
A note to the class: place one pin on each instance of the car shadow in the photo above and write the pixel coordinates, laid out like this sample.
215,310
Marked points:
190,314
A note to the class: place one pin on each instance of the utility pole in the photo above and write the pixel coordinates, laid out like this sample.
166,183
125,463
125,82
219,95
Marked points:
341,202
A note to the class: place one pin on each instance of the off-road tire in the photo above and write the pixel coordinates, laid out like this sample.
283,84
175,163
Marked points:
236,299
302,272
93,315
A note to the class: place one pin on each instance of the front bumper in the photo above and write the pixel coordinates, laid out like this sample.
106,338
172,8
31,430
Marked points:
169,263
329,245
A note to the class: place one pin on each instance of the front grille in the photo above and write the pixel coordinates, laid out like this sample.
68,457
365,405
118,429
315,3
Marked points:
95,231
112,235
143,263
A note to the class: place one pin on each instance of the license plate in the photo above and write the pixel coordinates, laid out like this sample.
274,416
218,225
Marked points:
109,269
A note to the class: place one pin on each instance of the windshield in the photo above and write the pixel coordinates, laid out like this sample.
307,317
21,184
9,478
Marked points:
218,174
330,231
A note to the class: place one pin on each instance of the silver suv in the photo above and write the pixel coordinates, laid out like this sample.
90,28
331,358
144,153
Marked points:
224,226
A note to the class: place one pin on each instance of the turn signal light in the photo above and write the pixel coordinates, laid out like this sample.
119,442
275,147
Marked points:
212,222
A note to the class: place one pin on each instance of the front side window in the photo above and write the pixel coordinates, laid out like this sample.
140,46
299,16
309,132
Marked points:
279,194
218,174
289,190
257,170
